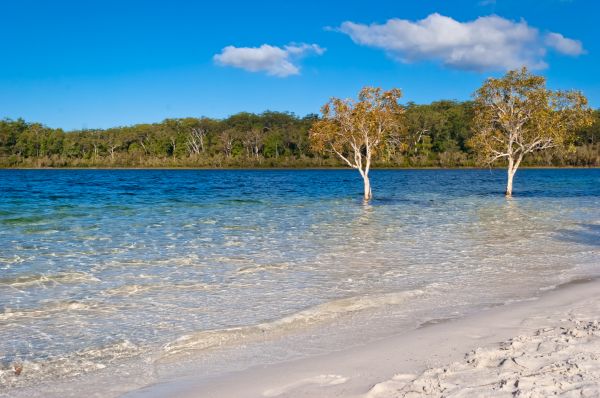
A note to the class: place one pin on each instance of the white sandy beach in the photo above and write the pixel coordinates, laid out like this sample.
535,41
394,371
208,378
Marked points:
535,348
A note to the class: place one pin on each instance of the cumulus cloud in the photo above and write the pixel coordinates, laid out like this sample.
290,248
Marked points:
275,61
564,45
487,43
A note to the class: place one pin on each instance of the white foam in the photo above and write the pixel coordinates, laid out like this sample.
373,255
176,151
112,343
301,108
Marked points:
44,279
312,316
51,308
70,365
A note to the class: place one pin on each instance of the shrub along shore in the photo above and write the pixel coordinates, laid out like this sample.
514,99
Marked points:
438,135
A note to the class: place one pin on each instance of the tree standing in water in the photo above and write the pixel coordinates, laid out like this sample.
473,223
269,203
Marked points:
356,130
516,115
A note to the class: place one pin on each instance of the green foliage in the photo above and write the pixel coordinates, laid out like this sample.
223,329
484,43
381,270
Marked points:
438,134
516,115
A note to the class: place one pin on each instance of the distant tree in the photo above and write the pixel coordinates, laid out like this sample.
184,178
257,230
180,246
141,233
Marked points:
591,134
227,139
95,142
195,140
273,144
356,130
516,115
113,143
422,121
253,141
9,133
435,134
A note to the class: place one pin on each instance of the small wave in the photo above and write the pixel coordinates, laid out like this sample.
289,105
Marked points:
33,220
239,227
43,231
70,365
333,309
251,269
25,220
244,201
233,260
51,308
45,279
129,290
132,290
312,316
16,259
191,260
194,286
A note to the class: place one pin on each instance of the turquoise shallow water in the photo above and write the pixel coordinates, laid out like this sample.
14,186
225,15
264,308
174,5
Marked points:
100,266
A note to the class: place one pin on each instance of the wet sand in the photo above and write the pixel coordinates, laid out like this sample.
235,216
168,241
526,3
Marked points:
532,348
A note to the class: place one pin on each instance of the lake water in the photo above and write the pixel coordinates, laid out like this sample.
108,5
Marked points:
145,272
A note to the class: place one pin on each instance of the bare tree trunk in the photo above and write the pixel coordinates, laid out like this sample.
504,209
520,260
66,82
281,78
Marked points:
509,182
142,139
195,141
368,193
173,145
512,169
365,172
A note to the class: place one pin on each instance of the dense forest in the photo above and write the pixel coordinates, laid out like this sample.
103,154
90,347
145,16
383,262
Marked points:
436,135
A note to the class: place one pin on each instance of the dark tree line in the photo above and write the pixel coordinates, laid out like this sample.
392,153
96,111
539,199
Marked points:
438,137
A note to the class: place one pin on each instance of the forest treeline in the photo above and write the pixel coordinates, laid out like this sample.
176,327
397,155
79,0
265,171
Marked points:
437,136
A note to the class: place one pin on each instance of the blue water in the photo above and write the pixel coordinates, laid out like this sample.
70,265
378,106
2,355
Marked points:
101,266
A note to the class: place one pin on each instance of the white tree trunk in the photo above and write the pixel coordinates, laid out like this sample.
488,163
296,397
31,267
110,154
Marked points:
368,193
510,174
513,166
509,182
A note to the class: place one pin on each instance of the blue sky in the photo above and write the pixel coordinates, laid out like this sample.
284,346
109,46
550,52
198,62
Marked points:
96,64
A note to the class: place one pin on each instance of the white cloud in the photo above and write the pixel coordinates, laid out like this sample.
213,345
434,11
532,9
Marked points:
273,60
487,43
564,45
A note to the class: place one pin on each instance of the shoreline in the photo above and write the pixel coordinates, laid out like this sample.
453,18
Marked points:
437,168
378,368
